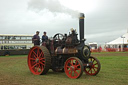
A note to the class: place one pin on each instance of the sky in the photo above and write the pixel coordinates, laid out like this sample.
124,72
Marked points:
105,20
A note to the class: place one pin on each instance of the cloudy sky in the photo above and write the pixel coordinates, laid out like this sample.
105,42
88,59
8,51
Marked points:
105,20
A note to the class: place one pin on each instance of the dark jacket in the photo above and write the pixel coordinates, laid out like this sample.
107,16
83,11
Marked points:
36,42
44,38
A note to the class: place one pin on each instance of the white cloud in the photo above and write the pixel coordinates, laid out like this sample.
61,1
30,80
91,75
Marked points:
106,20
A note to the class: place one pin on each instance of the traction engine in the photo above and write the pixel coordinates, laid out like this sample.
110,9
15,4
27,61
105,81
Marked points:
64,53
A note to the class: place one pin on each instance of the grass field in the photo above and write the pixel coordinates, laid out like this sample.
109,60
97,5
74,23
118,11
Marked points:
114,71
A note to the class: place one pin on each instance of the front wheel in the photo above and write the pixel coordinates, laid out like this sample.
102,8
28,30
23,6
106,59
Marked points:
73,67
94,66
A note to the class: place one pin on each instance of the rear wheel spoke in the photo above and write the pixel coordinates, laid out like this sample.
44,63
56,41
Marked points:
38,52
34,65
34,54
41,58
42,63
41,54
32,59
37,69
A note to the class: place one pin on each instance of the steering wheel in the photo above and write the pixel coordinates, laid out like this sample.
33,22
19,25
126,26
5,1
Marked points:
58,37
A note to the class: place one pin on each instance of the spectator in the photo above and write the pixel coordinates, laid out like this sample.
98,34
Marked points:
100,49
36,38
44,37
119,48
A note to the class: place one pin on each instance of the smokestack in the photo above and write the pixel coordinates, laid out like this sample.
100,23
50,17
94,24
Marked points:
81,27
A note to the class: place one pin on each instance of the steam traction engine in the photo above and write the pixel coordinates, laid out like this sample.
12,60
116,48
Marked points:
64,53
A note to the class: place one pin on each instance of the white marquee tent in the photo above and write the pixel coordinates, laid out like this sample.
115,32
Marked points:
121,41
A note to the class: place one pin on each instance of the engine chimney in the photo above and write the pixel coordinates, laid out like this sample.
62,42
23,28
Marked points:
81,27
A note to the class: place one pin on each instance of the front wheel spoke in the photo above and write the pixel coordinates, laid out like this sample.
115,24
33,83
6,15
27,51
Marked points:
71,73
72,62
93,60
76,73
78,69
89,70
69,70
95,64
76,63
68,66
96,67
94,70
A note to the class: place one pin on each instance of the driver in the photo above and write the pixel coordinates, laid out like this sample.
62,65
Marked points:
73,31
44,37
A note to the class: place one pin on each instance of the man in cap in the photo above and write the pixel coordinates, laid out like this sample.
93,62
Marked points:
44,37
36,38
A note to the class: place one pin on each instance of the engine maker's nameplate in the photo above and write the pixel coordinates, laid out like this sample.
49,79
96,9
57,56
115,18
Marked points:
72,50
66,50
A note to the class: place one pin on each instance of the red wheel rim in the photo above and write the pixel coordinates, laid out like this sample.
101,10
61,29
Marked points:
94,67
73,68
36,60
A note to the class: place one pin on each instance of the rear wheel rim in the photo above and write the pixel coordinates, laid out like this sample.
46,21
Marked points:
94,67
73,68
36,60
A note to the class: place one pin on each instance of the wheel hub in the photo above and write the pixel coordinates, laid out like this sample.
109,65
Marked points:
72,68
91,64
37,60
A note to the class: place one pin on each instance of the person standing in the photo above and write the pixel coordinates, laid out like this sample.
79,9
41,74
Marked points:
119,48
44,37
100,49
36,38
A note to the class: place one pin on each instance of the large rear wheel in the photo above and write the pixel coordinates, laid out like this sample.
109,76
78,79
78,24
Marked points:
39,60
73,67
94,66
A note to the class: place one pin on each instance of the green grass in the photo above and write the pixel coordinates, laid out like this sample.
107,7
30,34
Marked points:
114,71
15,56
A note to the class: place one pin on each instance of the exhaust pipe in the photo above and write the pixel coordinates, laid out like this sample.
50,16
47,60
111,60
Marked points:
81,27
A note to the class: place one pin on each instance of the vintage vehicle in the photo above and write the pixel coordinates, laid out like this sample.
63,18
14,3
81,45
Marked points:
64,53
15,44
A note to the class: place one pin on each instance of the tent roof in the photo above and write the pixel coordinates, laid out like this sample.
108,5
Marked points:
121,40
